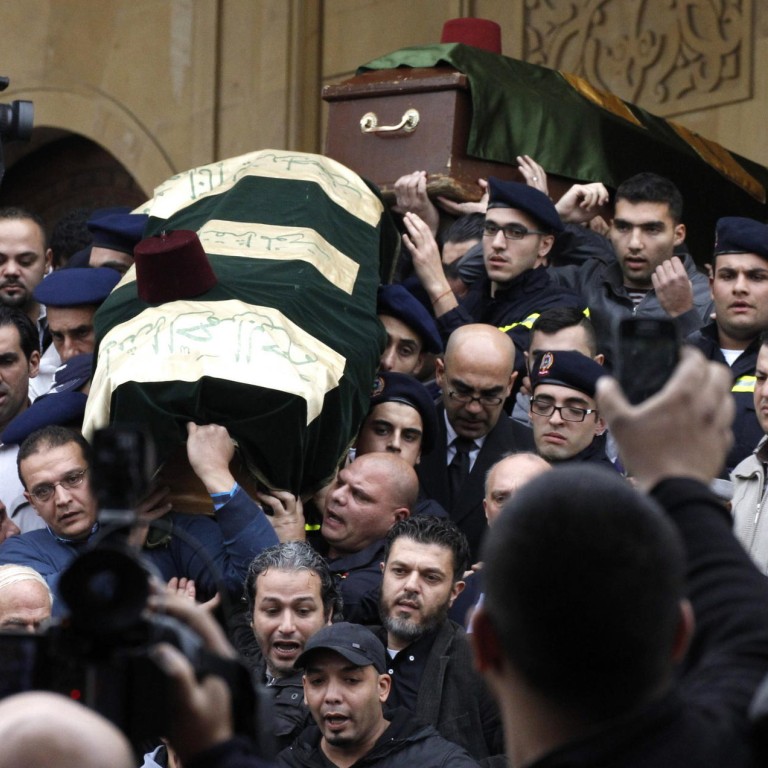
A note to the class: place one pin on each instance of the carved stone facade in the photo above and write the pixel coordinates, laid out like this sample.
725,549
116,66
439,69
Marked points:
668,56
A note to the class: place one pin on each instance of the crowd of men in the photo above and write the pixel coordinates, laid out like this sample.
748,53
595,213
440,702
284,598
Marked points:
611,616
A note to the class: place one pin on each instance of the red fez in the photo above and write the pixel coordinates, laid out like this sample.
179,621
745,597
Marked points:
481,33
172,266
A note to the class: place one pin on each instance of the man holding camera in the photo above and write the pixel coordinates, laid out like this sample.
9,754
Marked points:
54,467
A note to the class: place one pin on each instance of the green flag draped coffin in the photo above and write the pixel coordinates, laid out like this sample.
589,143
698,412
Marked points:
284,348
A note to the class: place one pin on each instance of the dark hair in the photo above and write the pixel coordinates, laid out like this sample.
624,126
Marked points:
295,556
468,227
70,234
428,529
583,580
16,212
29,340
557,318
52,436
652,188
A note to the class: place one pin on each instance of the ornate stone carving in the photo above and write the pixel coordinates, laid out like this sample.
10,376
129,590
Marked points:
669,56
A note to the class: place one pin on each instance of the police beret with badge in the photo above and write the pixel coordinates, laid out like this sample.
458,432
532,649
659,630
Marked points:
390,387
737,234
567,369
76,286
512,194
398,302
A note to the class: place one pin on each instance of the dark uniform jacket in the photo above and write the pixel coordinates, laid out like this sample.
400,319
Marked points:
513,309
406,742
747,432
467,511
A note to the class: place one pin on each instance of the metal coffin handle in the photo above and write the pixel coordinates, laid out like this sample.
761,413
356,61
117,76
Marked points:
369,123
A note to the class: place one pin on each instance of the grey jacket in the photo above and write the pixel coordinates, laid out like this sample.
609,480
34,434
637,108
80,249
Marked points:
750,518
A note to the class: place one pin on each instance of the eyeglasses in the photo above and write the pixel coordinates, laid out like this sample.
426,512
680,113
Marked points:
44,492
567,412
469,399
510,231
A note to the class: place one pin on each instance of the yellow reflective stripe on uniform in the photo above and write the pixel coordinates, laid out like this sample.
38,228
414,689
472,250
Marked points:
527,322
744,384
312,527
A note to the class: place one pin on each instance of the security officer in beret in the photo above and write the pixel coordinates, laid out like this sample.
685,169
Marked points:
411,330
402,420
739,286
115,231
566,423
71,297
520,227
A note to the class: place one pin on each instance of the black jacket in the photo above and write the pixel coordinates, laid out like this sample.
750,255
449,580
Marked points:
405,743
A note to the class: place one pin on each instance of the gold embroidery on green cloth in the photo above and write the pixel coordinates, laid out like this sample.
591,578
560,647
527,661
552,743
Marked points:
607,101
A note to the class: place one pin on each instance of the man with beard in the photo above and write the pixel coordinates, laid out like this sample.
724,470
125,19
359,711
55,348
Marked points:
429,658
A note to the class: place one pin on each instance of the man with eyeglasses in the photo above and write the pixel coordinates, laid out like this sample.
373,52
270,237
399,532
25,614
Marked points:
567,426
54,467
476,375
520,227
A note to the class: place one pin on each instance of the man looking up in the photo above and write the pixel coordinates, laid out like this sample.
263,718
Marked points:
345,686
739,286
584,633
476,377
635,273
566,422
291,595
430,660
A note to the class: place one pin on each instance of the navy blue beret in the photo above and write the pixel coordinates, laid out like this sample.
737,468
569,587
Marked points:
736,234
511,194
567,369
76,286
117,228
72,374
399,302
65,409
390,387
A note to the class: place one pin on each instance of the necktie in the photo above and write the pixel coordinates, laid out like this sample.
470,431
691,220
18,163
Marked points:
458,469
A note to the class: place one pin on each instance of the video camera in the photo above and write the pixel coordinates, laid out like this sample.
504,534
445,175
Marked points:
16,121
101,654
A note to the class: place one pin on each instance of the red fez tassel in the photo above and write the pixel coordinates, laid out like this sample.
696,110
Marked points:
480,33
172,266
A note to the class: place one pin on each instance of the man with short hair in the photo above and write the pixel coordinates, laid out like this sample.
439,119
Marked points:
55,468
368,497
476,376
345,686
506,477
636,272
584,633
430,660
19,363
567,426
25,598
411,330
739,285
291,595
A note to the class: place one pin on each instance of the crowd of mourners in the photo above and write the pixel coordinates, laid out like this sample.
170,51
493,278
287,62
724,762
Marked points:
512,565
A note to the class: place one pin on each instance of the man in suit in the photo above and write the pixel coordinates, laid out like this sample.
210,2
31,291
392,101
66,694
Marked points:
476,377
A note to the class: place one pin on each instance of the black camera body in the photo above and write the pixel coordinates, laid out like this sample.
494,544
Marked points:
16,120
